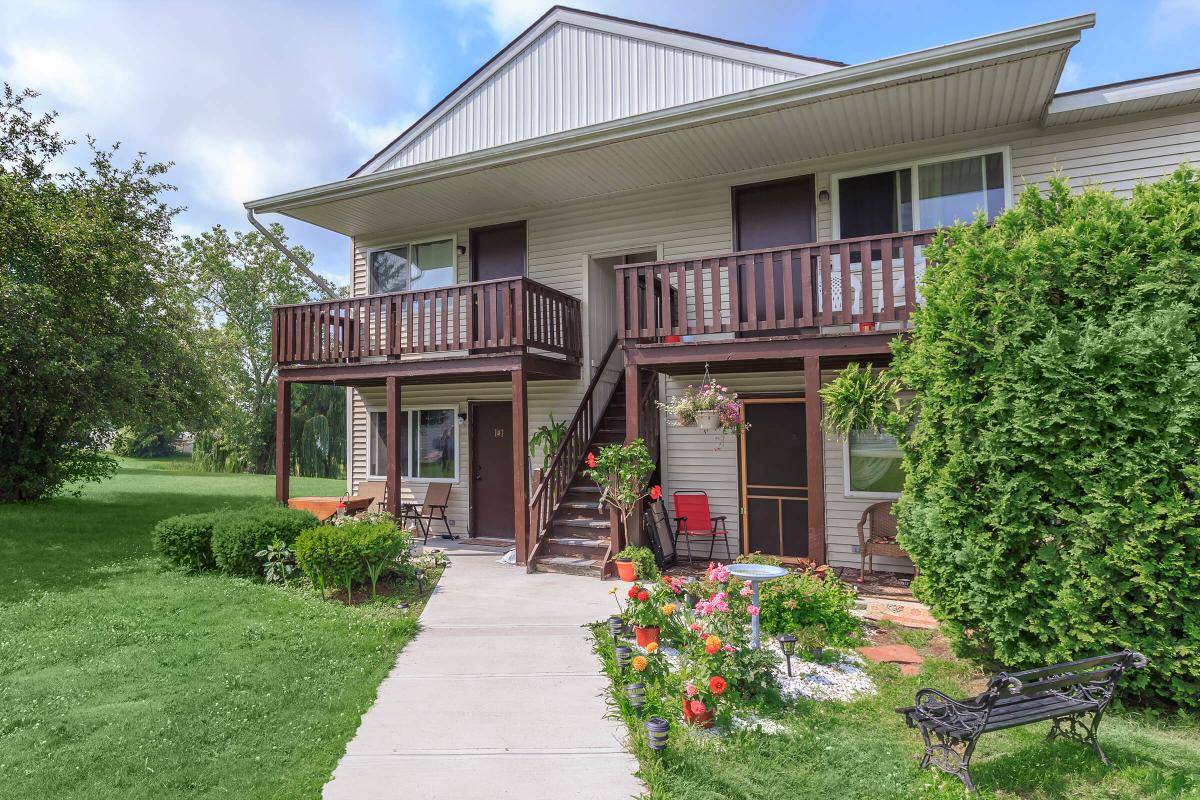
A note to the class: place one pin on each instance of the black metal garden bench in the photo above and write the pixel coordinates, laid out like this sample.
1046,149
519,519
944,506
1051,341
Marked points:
1064,693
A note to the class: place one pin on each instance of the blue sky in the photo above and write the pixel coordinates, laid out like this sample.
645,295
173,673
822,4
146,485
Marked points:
253,98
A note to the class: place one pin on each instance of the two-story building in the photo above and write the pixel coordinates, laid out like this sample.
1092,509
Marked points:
607,208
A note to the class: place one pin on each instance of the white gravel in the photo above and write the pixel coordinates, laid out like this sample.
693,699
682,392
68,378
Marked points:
842,680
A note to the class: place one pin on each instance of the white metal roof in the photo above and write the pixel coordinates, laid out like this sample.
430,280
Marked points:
989,82
1126,97
572,69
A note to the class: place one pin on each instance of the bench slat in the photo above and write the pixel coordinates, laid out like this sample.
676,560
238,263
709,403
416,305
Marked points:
1037,673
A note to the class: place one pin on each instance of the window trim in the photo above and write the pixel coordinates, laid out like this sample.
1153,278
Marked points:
835,180
452,238
409,410
847,491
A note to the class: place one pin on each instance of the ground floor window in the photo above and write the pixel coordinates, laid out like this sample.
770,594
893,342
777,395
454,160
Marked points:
873,465
428,444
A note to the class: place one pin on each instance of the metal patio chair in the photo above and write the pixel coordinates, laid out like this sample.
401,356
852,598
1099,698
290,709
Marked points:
437,497
693,518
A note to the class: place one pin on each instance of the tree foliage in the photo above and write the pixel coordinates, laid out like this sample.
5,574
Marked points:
94,334
1052,495
235,280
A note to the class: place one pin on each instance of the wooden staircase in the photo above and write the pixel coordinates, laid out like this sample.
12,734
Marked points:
579,533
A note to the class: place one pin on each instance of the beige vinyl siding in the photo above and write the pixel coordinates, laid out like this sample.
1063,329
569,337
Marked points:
693,459
1114,154
693,219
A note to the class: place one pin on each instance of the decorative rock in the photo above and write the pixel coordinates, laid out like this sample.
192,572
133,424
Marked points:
892,654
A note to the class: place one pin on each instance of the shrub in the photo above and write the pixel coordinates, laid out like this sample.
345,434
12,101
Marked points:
239,536
186,540
343,554
643,560
798,601
1052,491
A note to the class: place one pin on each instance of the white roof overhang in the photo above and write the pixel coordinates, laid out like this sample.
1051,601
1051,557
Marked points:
989,82
1127,97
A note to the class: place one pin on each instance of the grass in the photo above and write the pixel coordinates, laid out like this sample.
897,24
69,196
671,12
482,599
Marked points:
121,679
863,750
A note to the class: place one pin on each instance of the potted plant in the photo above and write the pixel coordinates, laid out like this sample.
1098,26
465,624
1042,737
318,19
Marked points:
644,613
548,438
636,562
860,399
682,409
622,471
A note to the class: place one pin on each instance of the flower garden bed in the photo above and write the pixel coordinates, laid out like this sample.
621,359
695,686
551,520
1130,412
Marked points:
831,729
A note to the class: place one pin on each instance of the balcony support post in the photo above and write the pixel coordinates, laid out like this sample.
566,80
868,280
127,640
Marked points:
283,438
816,462
633,429
393,446
520,463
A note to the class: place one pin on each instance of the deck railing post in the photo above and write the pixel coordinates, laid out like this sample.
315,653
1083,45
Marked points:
283,438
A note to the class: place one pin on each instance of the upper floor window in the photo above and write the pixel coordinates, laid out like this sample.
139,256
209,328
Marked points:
921,195
409,267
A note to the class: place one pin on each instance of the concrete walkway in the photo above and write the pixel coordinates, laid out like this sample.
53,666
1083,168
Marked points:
499,696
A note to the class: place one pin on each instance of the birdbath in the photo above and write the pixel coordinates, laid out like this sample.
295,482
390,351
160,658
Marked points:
756,574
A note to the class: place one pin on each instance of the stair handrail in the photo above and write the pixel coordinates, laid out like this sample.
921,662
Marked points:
559,473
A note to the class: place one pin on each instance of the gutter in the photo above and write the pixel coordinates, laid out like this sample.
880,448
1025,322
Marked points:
1023,42
281,247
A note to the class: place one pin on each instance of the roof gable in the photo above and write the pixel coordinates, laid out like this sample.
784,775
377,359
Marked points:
574,69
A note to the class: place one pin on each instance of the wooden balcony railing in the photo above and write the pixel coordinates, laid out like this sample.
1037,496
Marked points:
506,315
773,292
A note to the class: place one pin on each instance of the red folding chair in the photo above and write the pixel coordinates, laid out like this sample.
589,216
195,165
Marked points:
693,518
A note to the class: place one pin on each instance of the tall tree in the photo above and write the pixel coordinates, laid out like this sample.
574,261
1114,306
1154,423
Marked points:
93,334
235,279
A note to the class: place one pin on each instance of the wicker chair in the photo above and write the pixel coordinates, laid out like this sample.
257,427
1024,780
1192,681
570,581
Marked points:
881,540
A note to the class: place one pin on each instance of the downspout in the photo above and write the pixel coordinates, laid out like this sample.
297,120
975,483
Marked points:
281,247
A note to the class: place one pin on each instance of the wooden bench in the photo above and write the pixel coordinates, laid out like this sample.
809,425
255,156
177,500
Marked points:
1064,693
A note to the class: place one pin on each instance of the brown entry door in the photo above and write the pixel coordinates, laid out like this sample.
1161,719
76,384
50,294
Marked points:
775,478
772,214
497,252
491,470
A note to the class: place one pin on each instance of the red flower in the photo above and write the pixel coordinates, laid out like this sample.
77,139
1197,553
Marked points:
591,461
697,707
655,492
633,590
643,595
716,684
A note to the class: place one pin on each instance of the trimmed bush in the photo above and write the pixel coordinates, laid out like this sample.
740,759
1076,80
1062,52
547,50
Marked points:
239,535
355,551
796,601
186,540
1052,490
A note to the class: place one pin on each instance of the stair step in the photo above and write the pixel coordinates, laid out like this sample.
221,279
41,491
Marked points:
587,567
583,522
583,505
574,547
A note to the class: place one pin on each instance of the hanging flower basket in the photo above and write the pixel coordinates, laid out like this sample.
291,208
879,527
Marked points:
708,420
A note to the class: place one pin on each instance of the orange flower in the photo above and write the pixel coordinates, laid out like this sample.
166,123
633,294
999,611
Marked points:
650,648
639,663
717,685
669,609
712,644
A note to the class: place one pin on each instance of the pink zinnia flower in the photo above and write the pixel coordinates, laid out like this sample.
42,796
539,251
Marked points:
691,690
752,610
728,648
746,591
723,606
695,626
697,707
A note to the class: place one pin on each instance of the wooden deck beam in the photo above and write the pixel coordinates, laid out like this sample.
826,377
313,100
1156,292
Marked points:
814,436
468,369
520,463
393,446
283,438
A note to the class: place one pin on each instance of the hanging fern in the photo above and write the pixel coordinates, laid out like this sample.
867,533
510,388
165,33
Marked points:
860,399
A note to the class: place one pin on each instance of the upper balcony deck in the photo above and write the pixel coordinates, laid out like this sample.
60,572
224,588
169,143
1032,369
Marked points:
845,296
474,329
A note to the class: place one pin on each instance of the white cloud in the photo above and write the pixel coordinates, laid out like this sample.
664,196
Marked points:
506,18
248,99
1072,77
1175,20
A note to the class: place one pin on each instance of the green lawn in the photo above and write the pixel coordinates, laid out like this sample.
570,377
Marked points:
120,679
863,750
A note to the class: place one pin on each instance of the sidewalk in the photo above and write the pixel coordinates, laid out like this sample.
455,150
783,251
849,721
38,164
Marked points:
499,696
